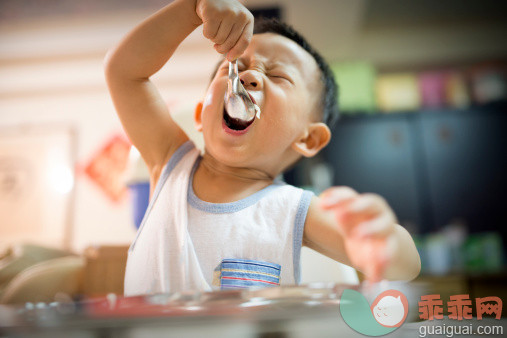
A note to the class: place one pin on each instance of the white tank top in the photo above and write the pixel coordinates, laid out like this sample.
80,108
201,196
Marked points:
253,242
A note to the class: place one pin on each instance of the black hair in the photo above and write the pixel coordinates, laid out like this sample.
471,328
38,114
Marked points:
329,98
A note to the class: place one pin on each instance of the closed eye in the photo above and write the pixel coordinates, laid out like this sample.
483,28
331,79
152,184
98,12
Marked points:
277,75
280,76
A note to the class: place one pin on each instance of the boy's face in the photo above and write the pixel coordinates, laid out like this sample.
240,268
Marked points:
283,80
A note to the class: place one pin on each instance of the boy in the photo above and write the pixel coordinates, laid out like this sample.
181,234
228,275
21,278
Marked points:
222,219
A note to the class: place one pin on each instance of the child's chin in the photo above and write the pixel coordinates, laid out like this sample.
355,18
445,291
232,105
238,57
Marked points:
232,155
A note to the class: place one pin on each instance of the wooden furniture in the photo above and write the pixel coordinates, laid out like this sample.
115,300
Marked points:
104,270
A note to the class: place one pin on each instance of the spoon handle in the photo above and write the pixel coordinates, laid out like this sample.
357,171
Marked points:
233,77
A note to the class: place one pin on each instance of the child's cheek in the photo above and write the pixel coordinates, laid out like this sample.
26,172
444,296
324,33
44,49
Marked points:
207,100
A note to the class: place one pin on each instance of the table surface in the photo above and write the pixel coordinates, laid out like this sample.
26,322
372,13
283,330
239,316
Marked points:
275,312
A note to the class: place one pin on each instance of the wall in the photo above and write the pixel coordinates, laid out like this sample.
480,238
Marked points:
51,73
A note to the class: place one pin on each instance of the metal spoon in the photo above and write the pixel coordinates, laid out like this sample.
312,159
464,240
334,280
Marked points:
237,101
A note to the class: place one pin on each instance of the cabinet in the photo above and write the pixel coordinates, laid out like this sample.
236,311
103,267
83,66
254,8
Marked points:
465,159
431,166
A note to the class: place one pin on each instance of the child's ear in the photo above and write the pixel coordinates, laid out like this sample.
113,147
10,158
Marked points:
197,117
316,137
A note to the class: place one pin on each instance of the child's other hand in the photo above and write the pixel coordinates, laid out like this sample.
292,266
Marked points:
366,222
228,24
359,215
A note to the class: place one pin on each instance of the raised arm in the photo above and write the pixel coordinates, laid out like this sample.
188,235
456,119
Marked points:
129,65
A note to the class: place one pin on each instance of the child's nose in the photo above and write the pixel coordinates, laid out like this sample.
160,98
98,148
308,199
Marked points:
252,83
250,80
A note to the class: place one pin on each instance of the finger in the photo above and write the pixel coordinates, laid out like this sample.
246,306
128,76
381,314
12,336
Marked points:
363,208
374,272
351,219
232,41
210,29
223,32
242,42
335,196
370,257
378,226
240,22
377,268
348,222
369,203
233,37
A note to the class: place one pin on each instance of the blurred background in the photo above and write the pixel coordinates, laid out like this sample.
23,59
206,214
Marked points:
423,89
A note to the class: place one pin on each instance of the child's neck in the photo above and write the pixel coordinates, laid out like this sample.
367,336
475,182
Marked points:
216,182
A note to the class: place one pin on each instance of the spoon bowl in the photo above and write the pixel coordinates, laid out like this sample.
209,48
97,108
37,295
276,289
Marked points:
238,103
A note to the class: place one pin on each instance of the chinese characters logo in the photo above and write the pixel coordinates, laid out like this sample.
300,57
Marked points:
459,307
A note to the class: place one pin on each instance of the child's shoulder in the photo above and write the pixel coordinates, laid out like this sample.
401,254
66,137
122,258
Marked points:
185,150
288,196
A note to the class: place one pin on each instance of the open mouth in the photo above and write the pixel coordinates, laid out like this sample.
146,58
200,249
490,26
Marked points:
234,123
